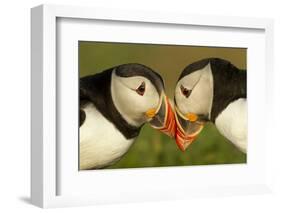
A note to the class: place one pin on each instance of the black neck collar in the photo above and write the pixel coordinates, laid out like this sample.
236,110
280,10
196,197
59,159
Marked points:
230,84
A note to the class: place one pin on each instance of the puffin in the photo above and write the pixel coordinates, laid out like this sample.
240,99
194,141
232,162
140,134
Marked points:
211,90
113,106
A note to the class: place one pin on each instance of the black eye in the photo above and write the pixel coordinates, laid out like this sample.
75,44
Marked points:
141,89
185,92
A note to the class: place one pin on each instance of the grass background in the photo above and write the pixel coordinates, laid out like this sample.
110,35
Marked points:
153,148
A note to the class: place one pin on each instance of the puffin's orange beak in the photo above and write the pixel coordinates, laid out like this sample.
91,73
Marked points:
163,118
188,128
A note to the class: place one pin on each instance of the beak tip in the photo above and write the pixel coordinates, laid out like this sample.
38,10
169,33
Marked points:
180,146
183,143
181,149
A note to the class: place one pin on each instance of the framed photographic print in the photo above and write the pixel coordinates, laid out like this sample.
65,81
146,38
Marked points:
130,105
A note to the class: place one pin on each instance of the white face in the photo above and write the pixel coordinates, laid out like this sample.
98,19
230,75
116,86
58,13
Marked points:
194,92
133,97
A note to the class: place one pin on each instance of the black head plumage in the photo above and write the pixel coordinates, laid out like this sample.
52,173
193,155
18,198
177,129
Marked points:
230,83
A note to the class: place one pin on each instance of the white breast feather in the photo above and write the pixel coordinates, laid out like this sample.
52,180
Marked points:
101,143
232,123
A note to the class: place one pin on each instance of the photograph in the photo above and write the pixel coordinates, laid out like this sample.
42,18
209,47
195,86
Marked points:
161,105
153,105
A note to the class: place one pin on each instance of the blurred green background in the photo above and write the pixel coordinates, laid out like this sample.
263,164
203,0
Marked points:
153,148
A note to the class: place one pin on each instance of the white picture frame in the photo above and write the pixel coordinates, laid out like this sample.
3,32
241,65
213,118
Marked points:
46,177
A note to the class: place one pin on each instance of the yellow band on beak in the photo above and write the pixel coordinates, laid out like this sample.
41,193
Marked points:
191,117
150,113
